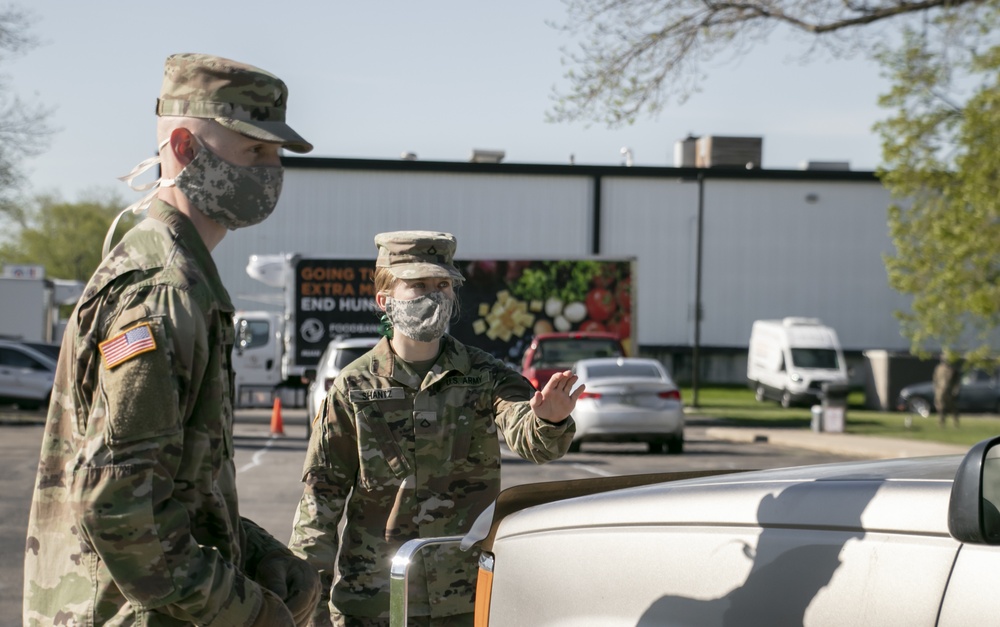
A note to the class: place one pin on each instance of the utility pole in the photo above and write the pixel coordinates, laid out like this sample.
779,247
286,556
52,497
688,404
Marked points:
695,357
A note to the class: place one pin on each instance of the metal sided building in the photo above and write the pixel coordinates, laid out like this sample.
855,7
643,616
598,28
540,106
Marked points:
772,243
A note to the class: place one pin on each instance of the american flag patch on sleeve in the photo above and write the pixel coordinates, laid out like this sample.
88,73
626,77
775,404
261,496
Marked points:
127,345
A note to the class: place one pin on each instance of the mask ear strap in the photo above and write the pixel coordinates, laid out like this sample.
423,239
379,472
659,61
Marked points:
143,203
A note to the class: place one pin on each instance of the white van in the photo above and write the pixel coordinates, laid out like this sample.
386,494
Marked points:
790,359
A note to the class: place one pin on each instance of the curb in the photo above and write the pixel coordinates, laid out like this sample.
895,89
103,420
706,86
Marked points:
866,446
863,446
22,418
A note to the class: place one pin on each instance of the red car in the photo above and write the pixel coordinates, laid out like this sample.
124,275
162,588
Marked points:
550,353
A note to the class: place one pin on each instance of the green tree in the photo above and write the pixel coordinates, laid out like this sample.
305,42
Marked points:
66,238
23,129
940,163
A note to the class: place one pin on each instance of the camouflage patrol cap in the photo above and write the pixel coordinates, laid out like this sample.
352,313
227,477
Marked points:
240,97
417,254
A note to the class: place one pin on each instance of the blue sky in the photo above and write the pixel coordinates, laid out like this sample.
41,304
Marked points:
437,78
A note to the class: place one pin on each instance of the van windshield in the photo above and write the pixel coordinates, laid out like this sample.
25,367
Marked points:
825,358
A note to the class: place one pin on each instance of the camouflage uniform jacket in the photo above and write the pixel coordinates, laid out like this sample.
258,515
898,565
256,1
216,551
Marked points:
134,519
406,458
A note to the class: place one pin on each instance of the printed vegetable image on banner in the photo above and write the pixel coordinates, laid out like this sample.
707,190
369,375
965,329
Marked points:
505,303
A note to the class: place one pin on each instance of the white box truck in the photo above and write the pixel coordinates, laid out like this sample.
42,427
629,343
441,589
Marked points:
790,359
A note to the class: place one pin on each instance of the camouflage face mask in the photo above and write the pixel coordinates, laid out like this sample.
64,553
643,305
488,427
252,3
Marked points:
423,318
234,196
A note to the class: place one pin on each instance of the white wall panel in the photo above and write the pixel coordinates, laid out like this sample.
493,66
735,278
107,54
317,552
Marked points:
771,252
654,220
338,212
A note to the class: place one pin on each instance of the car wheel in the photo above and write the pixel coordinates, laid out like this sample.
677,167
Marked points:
759,393
655,447
919,406
786,399
574,447
676,446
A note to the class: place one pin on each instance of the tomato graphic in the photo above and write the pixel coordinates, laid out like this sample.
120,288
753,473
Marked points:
623,294
605,277
600,304
621,325
591,325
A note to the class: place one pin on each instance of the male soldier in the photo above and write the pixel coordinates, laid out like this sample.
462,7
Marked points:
947,382
135,519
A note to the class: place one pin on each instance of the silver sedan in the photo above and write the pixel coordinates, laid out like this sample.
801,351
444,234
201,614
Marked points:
628,399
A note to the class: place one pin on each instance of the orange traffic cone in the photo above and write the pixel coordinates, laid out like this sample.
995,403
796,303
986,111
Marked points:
277,425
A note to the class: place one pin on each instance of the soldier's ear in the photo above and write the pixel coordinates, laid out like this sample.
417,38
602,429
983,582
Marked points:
380,300
182,142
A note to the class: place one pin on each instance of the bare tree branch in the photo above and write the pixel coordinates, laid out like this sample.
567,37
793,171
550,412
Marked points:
23,129
637,54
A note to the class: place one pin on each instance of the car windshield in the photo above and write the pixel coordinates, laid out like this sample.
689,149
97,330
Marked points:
50,350
253,333
976,376
347,355
567,351
625,369
815,358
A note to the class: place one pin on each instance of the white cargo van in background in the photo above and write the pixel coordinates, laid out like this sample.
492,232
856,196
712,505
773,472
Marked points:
790,359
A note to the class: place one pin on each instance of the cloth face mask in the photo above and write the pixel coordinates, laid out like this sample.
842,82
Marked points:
239,195
234,196
423,318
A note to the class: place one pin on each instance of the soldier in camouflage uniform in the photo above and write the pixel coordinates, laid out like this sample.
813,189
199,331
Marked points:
947,384
406,446
134,519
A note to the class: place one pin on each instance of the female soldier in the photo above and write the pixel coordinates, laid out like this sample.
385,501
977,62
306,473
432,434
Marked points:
406,445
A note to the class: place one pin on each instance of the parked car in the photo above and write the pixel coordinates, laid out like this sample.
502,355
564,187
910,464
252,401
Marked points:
338,353
900,542
26,374
979,392
550,353
628,399
51,350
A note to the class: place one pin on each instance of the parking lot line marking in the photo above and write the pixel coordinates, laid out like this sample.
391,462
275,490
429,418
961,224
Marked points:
506,453
257,457
594,470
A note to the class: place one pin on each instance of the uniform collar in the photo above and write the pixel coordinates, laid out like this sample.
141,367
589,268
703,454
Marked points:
454,357
188,237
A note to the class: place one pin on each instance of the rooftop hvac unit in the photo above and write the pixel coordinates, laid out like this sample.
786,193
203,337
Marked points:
685,152
487,156
714,151
839,166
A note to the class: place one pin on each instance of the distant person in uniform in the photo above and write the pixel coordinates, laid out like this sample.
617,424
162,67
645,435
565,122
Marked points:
406,446
135,519
947,383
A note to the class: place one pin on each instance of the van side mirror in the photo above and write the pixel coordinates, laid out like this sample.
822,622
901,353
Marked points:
243,336
974,508
309,375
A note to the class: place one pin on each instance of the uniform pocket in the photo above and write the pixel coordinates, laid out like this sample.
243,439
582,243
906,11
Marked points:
462,440
379,451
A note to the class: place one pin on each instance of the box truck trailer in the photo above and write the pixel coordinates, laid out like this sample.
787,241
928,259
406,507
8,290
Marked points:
504,304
